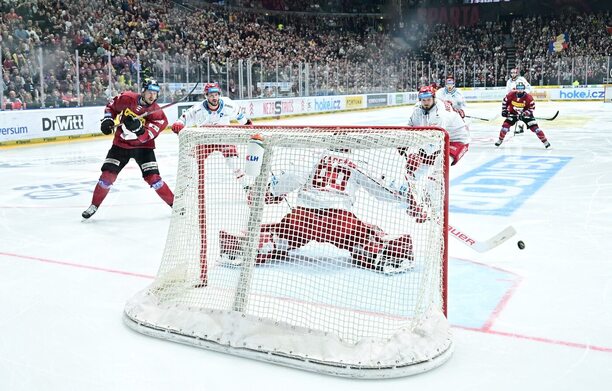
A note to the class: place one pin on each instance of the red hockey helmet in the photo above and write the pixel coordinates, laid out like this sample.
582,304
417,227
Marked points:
212,87
427,92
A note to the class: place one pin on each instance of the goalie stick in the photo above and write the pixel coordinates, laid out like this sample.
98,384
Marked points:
482,245
164,106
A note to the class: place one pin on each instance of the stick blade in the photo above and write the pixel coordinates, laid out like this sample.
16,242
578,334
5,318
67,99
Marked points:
486,245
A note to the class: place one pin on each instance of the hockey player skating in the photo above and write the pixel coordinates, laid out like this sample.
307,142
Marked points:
515,78
326,190
451,94
519,105
430,111
215,110
134,138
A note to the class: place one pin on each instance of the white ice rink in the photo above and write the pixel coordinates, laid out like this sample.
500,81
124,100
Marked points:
537,319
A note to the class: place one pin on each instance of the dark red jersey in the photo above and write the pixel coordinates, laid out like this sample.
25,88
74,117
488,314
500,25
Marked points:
516,105
128,103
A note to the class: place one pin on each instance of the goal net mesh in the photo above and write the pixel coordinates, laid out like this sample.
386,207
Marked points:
332,259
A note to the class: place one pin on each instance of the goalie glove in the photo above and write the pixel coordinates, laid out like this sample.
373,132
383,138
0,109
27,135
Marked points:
134,125
107,125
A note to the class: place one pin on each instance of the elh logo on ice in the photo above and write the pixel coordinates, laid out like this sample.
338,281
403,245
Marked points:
63,122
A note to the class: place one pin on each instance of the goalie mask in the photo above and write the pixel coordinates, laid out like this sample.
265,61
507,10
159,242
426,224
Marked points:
514,73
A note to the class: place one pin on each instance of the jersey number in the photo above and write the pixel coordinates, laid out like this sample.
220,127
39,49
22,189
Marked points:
330,175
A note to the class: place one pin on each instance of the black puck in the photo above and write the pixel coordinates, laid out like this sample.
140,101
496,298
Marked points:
521,244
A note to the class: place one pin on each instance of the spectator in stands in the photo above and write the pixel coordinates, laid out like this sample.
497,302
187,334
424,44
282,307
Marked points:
12,102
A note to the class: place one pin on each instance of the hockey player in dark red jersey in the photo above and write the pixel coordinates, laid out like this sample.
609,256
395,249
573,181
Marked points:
134,138
519,105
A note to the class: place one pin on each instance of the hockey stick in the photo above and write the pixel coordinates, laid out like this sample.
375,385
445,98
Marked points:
551,118
482,245
477,245
144,115
479,118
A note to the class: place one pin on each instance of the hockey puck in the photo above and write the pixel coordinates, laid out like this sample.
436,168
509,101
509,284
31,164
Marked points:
521,244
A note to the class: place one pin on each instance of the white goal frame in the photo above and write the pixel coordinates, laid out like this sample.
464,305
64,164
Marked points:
177,306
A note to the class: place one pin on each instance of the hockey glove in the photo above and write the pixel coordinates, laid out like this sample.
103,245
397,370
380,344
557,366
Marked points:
526,116
107,125
460,112
505,113
134,125
177,127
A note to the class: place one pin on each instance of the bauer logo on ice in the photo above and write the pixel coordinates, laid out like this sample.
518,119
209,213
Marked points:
63,122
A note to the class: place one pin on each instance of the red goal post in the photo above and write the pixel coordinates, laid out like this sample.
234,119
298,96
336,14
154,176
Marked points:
320,262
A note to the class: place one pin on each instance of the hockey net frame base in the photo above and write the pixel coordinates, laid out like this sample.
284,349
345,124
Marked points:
181,305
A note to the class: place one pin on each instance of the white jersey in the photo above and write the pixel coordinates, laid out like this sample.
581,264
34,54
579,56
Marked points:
201,114
331,181
442,115
455,97
511,84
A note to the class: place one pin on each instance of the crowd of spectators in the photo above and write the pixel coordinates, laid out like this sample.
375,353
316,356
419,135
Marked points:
121,41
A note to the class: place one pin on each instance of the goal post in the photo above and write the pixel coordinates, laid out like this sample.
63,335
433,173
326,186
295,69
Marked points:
328,257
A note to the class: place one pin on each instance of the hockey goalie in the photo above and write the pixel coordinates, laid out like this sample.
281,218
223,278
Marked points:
324,188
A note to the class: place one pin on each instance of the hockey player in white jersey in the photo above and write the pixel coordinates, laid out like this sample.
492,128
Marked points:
451,94
430,111
515,77
326,186
215,110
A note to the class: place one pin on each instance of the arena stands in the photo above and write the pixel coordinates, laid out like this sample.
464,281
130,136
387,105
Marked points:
82,52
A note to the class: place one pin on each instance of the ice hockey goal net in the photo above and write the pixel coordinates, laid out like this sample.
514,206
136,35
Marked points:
332,259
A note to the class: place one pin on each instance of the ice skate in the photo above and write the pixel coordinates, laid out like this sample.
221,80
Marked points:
396,256
230,249
499,142
89,212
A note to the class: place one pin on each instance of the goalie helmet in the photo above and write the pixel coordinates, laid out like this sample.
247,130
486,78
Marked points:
514,73
212,87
